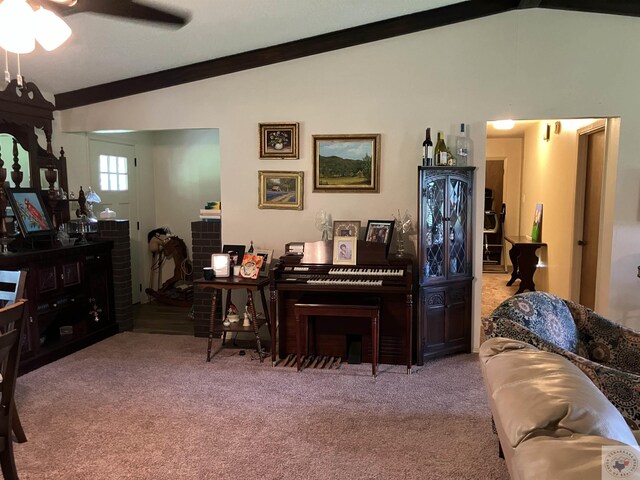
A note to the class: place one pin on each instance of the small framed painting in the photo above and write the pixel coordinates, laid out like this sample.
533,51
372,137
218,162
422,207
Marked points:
251,265
280,190
266,259
346,163
278,140
380,231
536,230
346,228
236,253
345,250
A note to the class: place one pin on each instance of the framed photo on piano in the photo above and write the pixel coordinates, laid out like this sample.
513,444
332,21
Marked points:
345,250
346,228
380,231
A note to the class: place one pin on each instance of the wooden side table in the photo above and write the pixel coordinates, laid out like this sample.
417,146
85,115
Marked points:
524,259
235,283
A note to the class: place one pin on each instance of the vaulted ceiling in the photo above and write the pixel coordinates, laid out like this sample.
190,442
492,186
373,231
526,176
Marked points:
108,57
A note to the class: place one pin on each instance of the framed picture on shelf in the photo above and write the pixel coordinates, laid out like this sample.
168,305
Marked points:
278,140
346,163
251,265
280,190
266,259
236,253
380,231
28,210
345,250
346,228
536,230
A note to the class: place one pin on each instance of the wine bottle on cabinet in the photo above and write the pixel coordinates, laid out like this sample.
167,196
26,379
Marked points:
427,150
462,147
440,151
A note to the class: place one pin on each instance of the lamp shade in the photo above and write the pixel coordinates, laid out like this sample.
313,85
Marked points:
16,27
50,30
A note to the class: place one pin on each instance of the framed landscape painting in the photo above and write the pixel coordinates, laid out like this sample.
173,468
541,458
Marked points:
278,140
280,190
346,163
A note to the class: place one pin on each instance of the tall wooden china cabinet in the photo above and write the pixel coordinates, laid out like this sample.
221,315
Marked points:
444,252
70,289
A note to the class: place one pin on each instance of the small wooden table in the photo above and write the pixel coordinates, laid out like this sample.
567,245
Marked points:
234,283
524,259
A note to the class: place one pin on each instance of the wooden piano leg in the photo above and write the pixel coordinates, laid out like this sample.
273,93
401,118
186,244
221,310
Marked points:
408,325
375,333
298,340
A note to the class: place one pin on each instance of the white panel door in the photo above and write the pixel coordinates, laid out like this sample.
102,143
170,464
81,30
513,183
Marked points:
113,178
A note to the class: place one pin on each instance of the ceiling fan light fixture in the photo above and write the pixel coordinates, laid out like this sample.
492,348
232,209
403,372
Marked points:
51,31
16,27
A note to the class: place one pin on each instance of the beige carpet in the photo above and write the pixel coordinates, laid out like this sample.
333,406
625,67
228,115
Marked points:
143,406
495,290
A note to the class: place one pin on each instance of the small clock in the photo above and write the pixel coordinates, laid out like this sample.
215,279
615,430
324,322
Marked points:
220,263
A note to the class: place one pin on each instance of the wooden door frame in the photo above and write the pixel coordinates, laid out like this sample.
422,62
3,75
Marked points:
611,128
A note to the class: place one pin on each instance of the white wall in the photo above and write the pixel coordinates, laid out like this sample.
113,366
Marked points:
522,64
509,149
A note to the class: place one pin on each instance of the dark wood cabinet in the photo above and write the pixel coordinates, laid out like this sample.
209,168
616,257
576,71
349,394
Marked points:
70,293
445,256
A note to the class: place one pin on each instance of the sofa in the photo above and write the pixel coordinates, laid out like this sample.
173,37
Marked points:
552,421
608,353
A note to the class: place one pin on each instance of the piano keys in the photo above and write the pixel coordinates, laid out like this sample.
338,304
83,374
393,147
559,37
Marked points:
313,277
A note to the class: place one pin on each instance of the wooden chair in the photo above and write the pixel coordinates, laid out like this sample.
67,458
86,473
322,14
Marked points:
11,286
12,320
11,289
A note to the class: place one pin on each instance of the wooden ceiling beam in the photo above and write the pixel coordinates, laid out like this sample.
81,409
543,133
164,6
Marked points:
529,4
371,32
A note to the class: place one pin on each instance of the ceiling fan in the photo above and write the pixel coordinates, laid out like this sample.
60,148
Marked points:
128,9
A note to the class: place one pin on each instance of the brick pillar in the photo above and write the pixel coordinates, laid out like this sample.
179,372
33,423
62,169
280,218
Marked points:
206,238
118,232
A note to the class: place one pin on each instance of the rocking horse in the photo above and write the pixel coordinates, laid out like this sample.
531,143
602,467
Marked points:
178,289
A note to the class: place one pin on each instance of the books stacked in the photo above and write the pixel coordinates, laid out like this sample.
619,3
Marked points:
212,212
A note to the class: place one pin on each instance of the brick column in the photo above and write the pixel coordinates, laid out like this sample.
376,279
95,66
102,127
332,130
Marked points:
206,238
118,232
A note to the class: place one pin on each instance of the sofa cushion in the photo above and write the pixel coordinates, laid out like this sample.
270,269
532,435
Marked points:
545,315
578,457
540,393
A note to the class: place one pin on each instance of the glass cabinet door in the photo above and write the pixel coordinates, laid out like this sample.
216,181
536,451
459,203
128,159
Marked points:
457,227
433,234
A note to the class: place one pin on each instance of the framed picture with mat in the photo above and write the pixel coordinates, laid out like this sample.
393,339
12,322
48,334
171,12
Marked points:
28,210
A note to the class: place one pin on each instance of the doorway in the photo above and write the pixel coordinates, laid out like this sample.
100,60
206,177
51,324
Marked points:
113,174
589,186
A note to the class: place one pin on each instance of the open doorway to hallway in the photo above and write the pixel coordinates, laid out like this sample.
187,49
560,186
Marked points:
539,163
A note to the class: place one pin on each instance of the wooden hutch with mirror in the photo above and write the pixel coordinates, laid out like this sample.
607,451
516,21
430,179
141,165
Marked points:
69,288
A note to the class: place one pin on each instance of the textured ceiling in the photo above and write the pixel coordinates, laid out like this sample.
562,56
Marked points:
103,49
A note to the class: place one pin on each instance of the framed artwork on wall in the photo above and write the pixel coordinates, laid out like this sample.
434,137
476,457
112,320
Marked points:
278,140
280,190
346,163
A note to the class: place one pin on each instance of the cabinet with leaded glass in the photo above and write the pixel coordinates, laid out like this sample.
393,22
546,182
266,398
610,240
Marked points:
444,252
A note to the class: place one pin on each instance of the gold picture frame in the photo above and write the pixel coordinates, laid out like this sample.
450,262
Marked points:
346,163
346,228
345,250
280,190
278,140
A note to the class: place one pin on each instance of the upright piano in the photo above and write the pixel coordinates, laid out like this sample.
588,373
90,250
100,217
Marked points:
312,276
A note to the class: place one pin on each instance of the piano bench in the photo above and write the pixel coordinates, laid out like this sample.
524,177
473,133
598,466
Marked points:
370,310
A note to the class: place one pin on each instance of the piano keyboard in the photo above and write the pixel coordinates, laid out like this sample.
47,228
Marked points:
368,272
343,281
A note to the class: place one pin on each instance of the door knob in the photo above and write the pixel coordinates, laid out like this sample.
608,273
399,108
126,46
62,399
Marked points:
582,242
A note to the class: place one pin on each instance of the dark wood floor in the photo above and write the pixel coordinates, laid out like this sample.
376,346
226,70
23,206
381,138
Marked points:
154,317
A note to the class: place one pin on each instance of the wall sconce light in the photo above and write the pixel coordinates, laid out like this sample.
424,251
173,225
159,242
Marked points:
547,133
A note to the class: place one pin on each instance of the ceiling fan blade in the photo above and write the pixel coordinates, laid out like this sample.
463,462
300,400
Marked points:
119,8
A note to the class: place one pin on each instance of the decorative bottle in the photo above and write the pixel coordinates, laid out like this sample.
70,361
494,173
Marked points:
440,151
427,150
462,147
250,247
